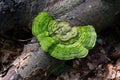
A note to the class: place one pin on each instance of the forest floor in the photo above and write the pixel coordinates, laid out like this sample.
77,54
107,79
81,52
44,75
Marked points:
102,62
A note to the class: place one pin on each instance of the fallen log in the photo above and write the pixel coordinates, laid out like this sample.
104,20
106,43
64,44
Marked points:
33,61
17,13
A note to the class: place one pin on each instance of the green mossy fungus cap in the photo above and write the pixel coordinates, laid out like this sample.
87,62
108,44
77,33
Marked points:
62,41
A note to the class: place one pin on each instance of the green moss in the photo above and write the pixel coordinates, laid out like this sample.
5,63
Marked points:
67,52
61,40
40,23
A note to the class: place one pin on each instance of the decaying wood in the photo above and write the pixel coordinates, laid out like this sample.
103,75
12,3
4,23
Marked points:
99,13
32,61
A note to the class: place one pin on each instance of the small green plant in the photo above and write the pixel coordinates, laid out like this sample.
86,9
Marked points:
62,41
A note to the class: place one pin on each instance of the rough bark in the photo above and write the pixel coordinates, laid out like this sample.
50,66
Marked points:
32,62
17,13
99,13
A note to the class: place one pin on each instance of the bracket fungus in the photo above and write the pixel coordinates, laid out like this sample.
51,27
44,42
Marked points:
62,41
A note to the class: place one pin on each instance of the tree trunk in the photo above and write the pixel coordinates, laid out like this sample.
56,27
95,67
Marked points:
100,13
